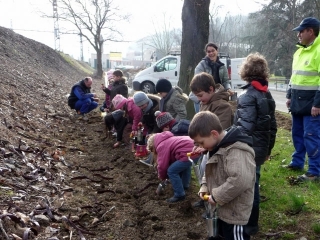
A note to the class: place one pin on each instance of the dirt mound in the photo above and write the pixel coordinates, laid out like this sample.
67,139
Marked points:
60,177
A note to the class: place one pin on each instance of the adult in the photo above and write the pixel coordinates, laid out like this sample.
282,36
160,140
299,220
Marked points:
173,100
81,99
119,86
303,100
211,64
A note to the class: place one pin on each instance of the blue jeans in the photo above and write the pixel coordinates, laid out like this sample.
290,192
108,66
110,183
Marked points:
256,198
86,105
196,107
179,174
306,140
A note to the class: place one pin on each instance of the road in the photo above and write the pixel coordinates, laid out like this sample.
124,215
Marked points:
279,98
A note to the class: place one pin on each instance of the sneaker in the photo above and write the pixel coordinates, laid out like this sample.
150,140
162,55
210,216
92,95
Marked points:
199,204
176,199
307,177
146,162
291,167
85,117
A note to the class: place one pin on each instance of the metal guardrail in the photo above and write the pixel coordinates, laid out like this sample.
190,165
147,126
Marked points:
281,84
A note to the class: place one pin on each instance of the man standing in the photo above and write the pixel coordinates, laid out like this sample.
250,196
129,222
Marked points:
303,100
81,99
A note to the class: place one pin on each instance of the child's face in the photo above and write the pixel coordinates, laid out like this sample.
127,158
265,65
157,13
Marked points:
144,106
208,142
204,97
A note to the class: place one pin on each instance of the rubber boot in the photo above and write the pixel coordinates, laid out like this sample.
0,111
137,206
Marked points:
252,226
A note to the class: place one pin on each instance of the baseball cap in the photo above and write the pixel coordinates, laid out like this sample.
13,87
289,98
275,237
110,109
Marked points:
307,22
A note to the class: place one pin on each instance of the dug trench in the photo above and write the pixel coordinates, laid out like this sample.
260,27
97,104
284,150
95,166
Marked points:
60,178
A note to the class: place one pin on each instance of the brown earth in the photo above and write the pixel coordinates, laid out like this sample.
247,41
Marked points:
60,178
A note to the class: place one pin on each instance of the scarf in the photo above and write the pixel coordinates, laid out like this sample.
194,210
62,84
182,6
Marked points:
164,100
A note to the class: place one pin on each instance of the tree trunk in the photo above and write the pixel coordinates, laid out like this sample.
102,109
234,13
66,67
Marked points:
99,63
195,33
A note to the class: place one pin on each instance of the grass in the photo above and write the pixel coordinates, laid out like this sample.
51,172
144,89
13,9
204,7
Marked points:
82,66
288,211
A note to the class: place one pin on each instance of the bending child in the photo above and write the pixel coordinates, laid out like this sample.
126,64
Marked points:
170,154
229,173
125,118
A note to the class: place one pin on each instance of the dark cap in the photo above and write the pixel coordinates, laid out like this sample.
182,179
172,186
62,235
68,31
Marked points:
307,22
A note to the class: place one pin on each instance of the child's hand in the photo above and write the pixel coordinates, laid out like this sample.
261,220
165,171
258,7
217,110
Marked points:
198,150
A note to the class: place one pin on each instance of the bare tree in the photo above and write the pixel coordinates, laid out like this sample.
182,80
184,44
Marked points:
164,36
195,33
95,20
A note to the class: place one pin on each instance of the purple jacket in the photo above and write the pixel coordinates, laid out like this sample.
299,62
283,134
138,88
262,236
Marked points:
170,148
134,113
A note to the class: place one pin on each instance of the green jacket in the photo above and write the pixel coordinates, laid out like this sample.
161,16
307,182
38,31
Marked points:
304,86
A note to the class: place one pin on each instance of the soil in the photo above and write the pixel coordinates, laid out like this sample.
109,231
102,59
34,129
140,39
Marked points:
60,177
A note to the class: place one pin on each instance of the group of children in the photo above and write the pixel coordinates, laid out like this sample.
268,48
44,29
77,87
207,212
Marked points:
233,145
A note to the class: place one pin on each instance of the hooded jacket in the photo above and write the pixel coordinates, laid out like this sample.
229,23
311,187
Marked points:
134,113
219,105
255,116
230,177
175,103
170,148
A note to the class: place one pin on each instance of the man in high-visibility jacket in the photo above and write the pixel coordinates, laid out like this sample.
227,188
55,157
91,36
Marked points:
303,100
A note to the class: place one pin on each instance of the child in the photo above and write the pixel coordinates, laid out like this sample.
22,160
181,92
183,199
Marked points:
170,153
167,123
229,173
255,116
129,117
119,86
213,98
173,100
107,103
148,104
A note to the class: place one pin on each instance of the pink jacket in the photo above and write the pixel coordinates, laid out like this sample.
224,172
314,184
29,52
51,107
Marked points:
169,149
134,113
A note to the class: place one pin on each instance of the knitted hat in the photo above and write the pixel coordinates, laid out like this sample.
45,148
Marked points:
110,74
163,85
140,98
163,119
118,101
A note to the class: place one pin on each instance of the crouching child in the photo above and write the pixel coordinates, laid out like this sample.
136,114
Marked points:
170,154
229,173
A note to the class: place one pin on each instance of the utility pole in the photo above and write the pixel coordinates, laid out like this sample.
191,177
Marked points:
56,26
81,47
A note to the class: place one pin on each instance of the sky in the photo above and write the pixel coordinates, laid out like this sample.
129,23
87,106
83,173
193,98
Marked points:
25,18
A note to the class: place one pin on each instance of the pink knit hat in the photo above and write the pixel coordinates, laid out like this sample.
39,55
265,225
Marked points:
118,101
110,74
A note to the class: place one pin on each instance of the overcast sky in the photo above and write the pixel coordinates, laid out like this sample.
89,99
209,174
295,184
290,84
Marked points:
24,17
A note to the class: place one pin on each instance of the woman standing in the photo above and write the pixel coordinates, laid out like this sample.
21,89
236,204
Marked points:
211,64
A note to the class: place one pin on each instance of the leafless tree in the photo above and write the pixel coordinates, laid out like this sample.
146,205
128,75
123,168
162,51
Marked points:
95,20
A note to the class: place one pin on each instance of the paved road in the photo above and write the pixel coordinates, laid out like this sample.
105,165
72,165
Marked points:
279,98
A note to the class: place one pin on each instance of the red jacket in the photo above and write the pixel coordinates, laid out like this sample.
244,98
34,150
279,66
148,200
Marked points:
170,148
134,113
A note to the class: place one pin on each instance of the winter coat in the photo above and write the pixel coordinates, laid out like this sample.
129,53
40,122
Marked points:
118,87
175,104
255,116
134,114
230,177
148,118
79,91
219,105
170,148
206,65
